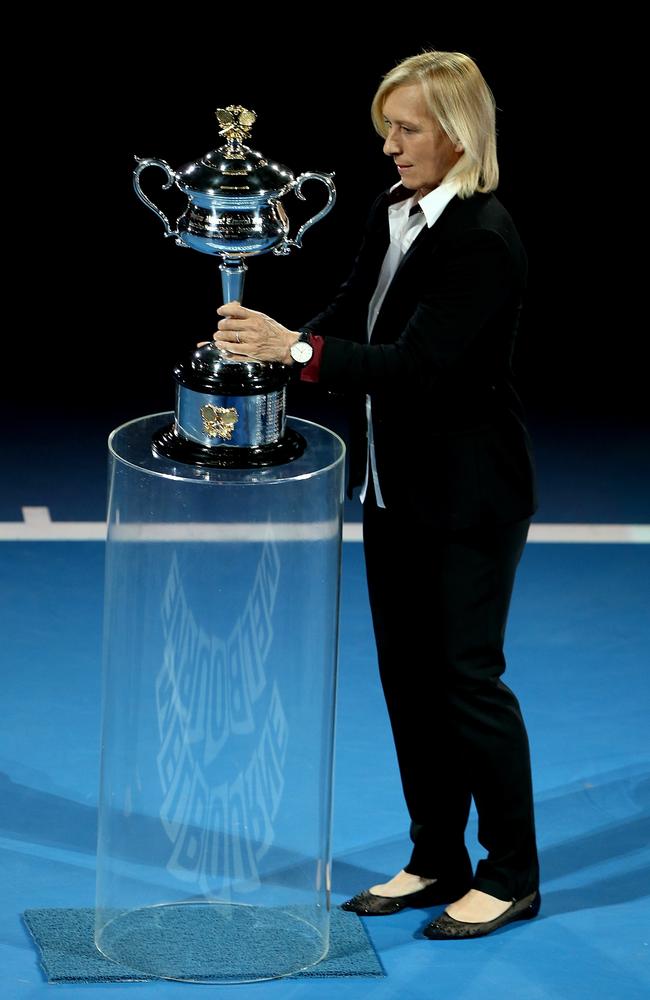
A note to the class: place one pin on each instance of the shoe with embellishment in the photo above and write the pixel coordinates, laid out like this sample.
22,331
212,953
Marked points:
367,904
446,926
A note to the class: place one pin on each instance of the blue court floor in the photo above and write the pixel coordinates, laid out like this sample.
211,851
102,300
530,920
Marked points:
578,659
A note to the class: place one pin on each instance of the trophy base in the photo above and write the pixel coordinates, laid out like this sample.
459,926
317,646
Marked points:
168,443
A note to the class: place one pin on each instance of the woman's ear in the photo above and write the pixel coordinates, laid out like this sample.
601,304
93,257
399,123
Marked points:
458,148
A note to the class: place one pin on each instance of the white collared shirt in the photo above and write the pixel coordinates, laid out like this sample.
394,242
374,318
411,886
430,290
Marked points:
403,230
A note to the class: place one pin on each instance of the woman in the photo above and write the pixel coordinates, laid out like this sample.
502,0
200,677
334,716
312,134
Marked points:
422,332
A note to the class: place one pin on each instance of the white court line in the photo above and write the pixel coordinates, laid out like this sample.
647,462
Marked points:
36,515
633,534
37,526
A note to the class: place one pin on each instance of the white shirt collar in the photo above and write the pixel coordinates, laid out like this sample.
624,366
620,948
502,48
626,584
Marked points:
432,205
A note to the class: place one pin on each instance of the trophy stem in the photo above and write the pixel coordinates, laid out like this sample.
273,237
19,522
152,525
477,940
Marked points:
233,272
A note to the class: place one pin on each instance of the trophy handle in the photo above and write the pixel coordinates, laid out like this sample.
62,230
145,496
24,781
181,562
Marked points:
143,163
284,248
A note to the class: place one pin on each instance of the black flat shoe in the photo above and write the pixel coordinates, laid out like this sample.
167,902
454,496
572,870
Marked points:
446,926
367,904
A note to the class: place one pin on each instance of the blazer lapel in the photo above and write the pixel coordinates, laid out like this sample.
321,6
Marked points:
425,241
429,237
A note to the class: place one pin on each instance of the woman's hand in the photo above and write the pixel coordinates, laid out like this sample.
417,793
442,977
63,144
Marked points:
250,334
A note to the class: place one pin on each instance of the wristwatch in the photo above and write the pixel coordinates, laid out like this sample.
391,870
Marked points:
301,351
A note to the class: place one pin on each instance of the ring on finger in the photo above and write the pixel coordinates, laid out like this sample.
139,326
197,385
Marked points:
237,336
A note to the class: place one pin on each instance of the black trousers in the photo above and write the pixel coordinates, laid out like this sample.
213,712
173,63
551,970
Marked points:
439,607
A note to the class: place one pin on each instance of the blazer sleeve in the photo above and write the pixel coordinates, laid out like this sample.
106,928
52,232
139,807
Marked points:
470,278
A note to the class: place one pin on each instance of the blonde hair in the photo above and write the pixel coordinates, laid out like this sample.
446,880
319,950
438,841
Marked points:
461,102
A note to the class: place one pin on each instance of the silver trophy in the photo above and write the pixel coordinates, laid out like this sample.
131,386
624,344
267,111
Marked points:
232,412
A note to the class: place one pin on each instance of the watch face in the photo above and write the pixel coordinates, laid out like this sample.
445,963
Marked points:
301,352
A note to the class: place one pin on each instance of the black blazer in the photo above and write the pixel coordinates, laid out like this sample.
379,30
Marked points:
450,439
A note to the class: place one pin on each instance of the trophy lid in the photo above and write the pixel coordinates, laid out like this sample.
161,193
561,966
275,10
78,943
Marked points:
214,371
235,170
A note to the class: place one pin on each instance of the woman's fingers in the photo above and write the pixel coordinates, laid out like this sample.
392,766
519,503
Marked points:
245,333
230,337
235,310
233,353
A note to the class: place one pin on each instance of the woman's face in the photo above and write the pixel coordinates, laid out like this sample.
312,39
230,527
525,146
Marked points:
422,152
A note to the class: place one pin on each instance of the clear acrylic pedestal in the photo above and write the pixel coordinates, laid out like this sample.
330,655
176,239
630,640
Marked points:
219,692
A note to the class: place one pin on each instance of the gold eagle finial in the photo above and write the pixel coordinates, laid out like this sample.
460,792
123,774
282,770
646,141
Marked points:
236,122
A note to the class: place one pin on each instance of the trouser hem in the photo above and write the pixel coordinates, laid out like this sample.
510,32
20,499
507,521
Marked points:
499,890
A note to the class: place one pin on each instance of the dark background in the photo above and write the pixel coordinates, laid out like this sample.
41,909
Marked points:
107,305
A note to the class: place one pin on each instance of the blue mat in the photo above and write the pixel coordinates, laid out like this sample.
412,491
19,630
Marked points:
68,955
